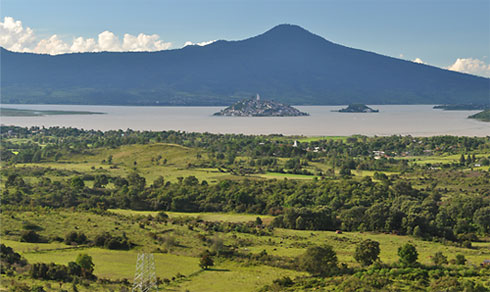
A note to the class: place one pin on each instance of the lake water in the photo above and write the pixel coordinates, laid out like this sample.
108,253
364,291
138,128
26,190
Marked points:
415,120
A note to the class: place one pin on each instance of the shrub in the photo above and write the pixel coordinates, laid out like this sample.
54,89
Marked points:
460,259
206,260
30,236
106,240
367,252
319,260
408,254
439,259
75,237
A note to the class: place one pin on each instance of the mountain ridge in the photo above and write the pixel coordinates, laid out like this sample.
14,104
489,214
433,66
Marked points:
286,63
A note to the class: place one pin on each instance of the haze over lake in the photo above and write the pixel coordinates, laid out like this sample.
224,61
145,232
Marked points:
415,120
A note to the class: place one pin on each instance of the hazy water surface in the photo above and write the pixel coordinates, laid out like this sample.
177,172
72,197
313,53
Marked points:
416,120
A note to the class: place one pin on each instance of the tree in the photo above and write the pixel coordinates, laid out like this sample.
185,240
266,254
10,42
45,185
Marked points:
462,160
367,252
100,181
460,259
86,264
319,260
137,181
77,183
30,236
75,237
439,259
258,221
482,219
408,254
206,261
344,171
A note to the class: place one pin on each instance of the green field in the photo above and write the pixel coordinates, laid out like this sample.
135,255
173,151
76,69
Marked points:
255,205
113,264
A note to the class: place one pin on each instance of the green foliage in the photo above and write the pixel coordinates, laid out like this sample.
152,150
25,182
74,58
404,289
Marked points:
439,259
482,219
319,260
408,254
108,241
30,236
75,237
460,259
9,258
86,264
367,252
206,260
77,183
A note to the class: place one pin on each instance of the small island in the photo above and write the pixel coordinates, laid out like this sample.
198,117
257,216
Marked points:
358,108
256,107
483,116
462,107
14,112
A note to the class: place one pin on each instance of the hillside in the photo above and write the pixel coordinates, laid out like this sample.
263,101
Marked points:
287,63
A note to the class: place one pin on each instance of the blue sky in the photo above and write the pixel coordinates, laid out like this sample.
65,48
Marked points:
436,31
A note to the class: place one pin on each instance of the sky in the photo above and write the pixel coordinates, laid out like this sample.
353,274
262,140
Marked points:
452,34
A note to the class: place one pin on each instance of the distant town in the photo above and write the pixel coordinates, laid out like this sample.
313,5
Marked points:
257,107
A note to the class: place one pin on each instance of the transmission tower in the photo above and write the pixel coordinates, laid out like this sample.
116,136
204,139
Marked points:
144,277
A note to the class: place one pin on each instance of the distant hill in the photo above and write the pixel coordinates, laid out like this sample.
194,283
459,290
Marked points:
287,64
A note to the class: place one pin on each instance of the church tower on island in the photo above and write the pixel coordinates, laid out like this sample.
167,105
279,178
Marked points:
258,97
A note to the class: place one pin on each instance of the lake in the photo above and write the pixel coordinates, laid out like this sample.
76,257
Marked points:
415,120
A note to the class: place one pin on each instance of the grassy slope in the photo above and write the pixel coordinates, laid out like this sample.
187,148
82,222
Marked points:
178,159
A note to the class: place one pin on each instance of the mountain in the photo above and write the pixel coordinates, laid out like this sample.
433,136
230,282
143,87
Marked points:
287,64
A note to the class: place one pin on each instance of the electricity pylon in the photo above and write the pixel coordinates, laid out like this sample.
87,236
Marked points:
144,278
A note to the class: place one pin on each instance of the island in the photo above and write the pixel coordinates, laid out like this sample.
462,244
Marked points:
256,107
14,112
482,116
358,108
462,107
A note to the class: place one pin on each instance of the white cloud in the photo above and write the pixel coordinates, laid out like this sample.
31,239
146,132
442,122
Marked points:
471,66
144,42
14,37
188,43
53,46
419,61
108,41
83,45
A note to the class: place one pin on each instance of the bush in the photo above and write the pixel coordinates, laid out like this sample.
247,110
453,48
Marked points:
439,259
408,254
106,240
75,237
9,257
319,260
367,252
30,236
460,259
206,260
283,282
